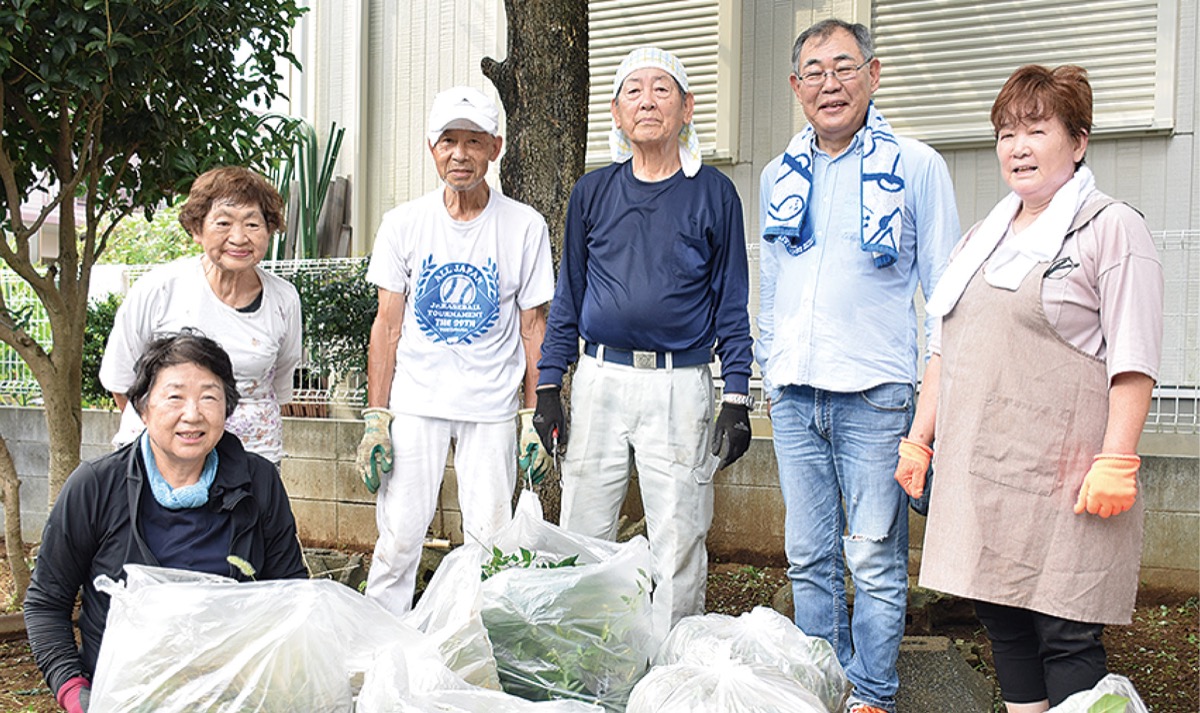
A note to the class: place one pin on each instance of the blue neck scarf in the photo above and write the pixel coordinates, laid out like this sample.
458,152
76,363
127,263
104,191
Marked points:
882,193
189,496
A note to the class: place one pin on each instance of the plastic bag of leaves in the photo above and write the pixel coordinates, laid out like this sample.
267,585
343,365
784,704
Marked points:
450,614
577,630
399,684
718,687
1113,694
187,641
763,637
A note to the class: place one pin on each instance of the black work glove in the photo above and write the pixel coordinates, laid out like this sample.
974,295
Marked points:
731,436
548,418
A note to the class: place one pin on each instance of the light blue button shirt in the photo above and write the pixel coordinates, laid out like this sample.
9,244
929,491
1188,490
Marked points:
828,318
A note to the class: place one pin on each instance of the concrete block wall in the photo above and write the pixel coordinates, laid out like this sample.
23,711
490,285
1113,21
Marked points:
332,506
25,433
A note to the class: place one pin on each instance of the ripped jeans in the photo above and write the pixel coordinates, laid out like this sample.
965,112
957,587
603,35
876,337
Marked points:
837,453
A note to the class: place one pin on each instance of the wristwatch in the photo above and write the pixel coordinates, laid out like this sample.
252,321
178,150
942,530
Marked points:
739,400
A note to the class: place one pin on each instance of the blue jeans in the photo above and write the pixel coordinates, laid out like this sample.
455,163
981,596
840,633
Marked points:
837,453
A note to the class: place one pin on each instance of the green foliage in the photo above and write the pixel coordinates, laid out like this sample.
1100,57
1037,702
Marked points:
158,240
100,317
149,94
338,306
523,558
297,166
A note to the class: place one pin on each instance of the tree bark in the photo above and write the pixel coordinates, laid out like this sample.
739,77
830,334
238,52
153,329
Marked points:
10,495
543,84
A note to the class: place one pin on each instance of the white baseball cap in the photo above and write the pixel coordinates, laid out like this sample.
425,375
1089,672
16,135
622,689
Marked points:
462,108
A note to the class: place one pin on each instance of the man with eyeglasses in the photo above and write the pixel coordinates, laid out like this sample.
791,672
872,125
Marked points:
852,217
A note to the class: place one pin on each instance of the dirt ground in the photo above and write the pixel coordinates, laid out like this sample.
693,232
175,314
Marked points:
1160,652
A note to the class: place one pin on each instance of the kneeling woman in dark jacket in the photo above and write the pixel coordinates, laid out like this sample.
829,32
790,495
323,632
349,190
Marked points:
184,495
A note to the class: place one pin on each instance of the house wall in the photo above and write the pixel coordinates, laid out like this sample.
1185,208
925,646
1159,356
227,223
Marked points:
375,68
332,507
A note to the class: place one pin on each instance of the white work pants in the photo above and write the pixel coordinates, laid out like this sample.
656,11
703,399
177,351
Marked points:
664,418
485,464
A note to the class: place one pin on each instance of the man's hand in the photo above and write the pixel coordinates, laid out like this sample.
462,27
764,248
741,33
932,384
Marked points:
548,418
913,465
532,458
1110,486
375,449
731,436
74,694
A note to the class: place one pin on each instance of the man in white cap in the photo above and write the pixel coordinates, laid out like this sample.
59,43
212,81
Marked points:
653,278
464,275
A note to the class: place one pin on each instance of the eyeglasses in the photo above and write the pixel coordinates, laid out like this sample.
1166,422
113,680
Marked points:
816,77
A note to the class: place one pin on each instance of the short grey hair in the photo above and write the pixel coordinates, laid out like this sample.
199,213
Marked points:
824,29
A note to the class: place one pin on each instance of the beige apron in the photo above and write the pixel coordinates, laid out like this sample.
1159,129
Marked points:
1020,415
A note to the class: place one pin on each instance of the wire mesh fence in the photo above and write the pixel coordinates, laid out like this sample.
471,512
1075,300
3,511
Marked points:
313,395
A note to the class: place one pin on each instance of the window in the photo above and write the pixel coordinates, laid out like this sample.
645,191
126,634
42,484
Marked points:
944,61
702,33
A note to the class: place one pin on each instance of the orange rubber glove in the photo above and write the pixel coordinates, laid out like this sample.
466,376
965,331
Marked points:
914,463
1110,486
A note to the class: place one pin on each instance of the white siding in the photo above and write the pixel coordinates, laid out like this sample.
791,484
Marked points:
417,49
693,31
946,59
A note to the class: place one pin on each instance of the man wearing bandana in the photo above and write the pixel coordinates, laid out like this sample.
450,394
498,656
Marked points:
654,281
852,218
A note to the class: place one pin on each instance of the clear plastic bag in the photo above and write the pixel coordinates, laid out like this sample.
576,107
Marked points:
399,684
763,637
1111,685
186,641
450,614
720,687
580,632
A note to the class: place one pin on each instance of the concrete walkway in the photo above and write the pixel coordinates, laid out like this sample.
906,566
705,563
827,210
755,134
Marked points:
934,678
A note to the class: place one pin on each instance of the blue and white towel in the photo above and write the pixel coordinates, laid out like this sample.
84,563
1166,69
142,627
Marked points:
882,193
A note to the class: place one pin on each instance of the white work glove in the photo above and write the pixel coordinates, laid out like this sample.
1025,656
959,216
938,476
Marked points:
375,449
532,458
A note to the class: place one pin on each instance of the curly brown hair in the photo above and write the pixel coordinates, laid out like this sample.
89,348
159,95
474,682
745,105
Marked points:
235,185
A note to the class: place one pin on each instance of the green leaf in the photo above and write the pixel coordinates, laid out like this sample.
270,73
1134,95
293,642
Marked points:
1109,703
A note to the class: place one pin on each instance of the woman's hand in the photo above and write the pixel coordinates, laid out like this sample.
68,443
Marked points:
913,465
1110,486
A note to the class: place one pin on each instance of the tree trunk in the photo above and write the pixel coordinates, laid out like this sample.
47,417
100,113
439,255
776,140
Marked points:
543,84
64,421
10,495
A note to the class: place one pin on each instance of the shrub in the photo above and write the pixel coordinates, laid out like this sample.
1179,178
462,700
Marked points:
100,317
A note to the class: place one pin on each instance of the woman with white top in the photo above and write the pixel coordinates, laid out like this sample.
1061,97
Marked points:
254,315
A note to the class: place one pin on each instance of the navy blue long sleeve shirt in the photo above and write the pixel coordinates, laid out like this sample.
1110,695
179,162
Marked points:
652,266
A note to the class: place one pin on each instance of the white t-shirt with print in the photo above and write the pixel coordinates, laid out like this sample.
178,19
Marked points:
264,345
460,355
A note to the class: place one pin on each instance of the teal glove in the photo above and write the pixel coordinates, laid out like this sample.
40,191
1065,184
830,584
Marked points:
532,458
375,449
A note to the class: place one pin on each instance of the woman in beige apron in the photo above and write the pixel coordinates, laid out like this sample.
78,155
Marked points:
1038,387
